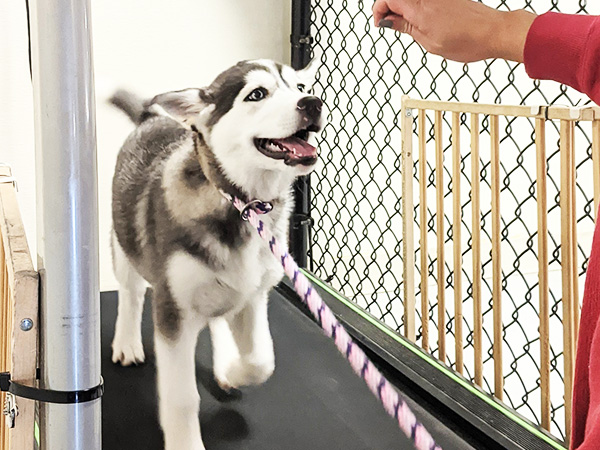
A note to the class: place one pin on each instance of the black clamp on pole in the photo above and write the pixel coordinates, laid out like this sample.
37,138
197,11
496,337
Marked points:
48,395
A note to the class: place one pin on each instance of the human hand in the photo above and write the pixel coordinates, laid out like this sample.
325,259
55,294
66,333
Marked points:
461,30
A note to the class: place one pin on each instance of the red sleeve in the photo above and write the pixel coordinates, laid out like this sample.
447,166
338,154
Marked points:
565,48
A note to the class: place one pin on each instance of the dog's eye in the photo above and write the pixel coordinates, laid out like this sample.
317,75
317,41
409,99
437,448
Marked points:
256,95
301,87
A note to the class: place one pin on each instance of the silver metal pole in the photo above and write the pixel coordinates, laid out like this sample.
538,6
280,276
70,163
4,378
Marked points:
67,212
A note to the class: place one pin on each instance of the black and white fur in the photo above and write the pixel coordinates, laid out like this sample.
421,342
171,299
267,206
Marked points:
175,231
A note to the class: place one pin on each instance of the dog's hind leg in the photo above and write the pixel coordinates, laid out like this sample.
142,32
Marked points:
127,343
242,346
175,336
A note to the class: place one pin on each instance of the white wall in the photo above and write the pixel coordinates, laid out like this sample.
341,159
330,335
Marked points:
149,46
16,109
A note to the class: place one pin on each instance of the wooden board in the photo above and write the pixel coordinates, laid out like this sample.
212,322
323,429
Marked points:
22,291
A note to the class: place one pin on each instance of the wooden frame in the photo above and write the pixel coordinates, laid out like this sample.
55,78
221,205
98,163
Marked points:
496,258
542,216
408,229
19,301
568,250
423,231
456,240
439,219
476,251
596,161
567,117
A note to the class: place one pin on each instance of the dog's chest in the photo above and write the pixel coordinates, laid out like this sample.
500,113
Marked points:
250,268
243,273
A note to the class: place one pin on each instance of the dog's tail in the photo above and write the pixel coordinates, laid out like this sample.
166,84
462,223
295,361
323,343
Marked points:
130,104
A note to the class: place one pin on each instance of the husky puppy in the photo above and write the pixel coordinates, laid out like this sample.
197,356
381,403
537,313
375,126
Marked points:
245,134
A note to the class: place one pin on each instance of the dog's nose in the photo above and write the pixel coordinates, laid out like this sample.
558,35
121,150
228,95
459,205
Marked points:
310,106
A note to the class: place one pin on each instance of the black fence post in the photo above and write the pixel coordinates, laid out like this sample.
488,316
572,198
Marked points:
300,225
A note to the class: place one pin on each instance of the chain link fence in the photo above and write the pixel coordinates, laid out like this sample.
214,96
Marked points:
357,237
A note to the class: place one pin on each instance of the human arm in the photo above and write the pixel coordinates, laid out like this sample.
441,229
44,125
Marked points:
461,30
553,46
565,48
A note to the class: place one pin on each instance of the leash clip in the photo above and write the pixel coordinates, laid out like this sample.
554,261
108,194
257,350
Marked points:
258,206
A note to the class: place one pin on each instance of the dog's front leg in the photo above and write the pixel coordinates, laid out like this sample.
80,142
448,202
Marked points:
179,401
242,346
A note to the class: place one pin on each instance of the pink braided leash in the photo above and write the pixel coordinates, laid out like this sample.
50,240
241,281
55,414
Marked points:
394,405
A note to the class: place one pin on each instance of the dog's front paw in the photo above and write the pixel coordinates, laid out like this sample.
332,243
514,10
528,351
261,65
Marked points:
181,431
127,351
243,373
181,444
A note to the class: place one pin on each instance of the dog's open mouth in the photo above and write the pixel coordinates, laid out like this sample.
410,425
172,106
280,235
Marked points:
293,150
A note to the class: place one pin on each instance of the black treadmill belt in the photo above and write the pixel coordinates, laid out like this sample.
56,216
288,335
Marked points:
313,401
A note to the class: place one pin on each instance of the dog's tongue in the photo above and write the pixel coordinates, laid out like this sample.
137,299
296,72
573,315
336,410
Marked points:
297,148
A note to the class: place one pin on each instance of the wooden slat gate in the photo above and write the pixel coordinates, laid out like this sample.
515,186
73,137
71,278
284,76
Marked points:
18,305
568,118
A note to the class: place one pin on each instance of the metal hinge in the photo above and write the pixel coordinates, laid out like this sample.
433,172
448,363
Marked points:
302,220
10,410
8,178
304,39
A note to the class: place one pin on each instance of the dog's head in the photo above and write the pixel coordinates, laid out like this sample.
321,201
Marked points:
255,116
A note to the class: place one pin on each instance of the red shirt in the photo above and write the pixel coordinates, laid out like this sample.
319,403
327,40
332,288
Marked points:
566,48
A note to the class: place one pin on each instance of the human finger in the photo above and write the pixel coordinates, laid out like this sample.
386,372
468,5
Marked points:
380,10
403,8
395,22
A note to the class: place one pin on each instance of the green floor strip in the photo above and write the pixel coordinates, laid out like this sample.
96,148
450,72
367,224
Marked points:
417,351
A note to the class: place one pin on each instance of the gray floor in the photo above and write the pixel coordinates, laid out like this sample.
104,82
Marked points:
313,401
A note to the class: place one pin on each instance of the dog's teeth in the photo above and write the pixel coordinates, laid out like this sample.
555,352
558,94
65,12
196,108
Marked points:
274,146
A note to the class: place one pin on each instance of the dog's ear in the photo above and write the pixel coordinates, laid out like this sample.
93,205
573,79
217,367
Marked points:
185,106
308,75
